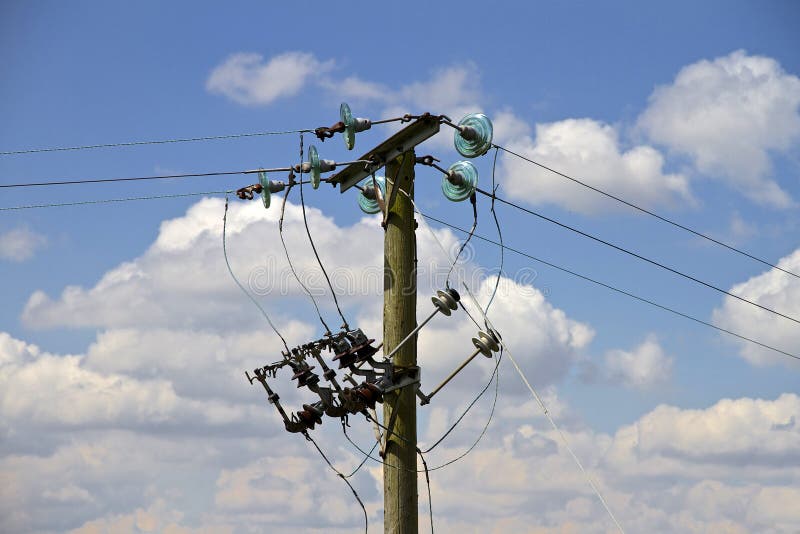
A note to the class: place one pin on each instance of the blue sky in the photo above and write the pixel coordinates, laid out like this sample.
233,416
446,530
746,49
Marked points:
690,111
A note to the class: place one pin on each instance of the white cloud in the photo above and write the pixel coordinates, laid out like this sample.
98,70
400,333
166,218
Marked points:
643,367
729,466
590,151
759,436
454,91
247,79
773,289
20,244
728,115
83,434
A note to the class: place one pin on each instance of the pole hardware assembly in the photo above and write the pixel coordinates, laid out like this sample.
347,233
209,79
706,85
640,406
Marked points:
485,343
473,135
445,303
393,380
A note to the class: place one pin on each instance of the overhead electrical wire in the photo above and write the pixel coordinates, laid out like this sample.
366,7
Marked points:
140,143
343,477
615,289
238,283
638,256
499,234
112,200
163,176
133,179
464,244
177,140
647,212
345,325
546,412
289,259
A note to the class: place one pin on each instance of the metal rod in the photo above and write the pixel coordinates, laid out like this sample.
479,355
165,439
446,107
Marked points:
411,334
453,374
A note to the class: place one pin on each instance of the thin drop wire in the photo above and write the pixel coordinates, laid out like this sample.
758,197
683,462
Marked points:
289,259
238,283
340,475
640,257
366,456
374,445
113,200
428,484
140,143
129,179
615,289
648,212
499,235
448,462
495,376
443,249
495,372
473,201
546,412
345,325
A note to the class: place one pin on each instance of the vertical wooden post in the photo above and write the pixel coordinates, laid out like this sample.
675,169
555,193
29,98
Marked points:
399,318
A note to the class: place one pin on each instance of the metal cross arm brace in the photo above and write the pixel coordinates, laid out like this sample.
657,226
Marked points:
423,127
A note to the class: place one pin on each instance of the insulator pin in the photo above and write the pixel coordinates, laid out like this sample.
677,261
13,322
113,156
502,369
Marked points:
486,343
446,301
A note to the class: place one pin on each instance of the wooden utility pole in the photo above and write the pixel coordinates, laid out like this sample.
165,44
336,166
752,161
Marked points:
399,319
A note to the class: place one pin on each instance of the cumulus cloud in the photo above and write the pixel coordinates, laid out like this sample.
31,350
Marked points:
453,90
170,284
643,367
761,434
591,151
728,114
43,390
730,465
248,79
773,289
20,244
99,440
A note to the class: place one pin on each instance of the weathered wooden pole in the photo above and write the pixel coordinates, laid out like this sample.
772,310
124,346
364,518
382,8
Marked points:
399,319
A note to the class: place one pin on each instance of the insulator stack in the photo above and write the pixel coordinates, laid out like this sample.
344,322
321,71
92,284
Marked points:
446,301
474,135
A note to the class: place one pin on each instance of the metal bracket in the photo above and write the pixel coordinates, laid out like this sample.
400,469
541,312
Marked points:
424,127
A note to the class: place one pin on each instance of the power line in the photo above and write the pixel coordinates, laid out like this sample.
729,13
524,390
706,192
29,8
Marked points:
648,212
133,179
343,477
140,143
547,414
499,234
638,256
238,283
112,200
289,259
454,227
612,288
313,246
474,203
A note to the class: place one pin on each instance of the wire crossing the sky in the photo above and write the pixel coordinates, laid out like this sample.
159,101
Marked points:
141,143
612,288
636,255
546,412
133,179
112,200
648,212
238,283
